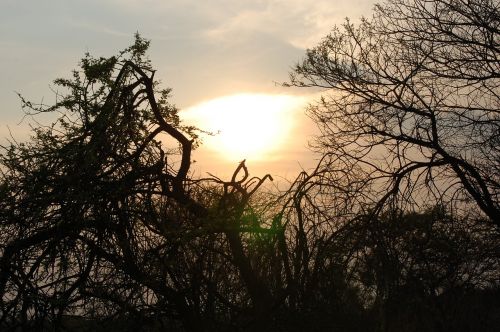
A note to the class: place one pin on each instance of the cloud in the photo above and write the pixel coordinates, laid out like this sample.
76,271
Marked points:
300,23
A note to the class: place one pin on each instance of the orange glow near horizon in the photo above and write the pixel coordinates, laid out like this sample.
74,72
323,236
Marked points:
246,126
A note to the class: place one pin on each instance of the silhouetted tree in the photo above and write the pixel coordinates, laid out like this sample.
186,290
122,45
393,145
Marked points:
100,218
402,213
410,114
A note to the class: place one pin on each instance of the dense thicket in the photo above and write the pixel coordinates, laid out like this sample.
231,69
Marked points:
103,227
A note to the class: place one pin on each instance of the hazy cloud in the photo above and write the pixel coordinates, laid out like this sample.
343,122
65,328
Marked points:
301,23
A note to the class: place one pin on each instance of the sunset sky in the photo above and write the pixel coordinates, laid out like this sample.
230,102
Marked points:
222,58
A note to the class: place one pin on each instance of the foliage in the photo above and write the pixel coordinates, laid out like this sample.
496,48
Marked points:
100,218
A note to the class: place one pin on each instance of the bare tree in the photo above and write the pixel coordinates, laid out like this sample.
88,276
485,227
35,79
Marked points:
404,203
410,115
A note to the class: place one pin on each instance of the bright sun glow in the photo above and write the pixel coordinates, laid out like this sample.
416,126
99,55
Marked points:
247,126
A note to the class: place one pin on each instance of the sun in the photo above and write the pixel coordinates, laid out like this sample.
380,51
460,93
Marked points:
246,126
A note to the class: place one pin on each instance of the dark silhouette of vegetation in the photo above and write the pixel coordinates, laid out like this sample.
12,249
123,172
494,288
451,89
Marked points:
103,227
413,116
101,219
407,190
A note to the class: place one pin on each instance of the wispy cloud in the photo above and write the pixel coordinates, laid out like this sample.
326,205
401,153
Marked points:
300,23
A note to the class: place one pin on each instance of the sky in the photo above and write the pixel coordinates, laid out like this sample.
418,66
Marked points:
217,55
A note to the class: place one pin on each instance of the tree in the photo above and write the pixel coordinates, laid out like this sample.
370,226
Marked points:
100,217
403,209
410,117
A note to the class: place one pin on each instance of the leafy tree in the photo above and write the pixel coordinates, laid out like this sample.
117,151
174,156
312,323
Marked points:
410,114
100,218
